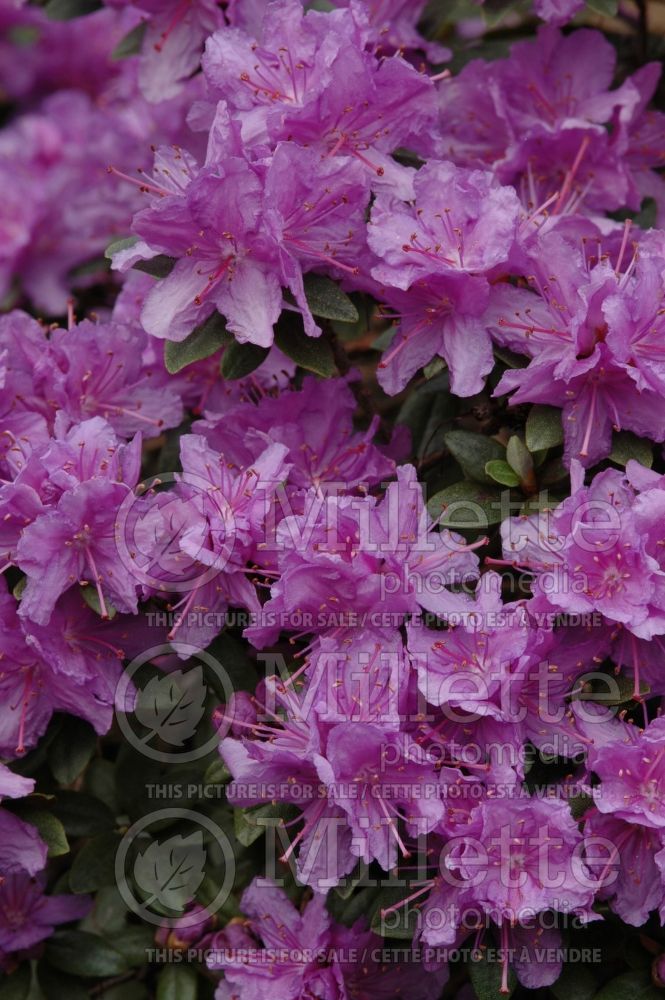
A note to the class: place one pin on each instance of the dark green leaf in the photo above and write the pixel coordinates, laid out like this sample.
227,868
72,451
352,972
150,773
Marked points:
72,749
401,922
82,815
17,985
177,982
434,367
99,781
117,245
347,911
204,341
486,978
239,360
579,805
543,428
626,445
575,983
94,865
501,472
326,299
109,914
467,505
473,452
91,598
65,10
519,459
134,942
132,990
312,353
50,829
629,986
216,773
238,666
250,824
607,8
83,954
131,44
158,266
428,412
56,985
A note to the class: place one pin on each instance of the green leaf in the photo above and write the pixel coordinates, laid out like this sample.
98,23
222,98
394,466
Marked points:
131,990
626,445
473,452
576,982
435,366
117,245
83,954
312,353
429,411
72,750
82,815
467,505
158,266
177,982
519,459
204,341
495,11
17,985
239,360
238,665
501,472
109,914
134,942
326,299
624,691
486,978
65,10
250,824
99,782
629,986
50,829
94,865
56,985
216,773
543,428
91,598
402,922
385,339
18,589
131,44
578,806
347,911
608,8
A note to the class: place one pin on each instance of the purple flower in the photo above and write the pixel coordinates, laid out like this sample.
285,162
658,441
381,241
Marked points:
632,775
373,777
315,423
587,357
625,865
21,848
28,916
103,374
72,665
352,553
441,248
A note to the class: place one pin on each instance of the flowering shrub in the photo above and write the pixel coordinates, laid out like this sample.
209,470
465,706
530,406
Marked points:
332,484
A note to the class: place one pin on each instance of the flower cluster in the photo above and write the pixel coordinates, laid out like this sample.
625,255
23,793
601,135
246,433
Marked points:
261,261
